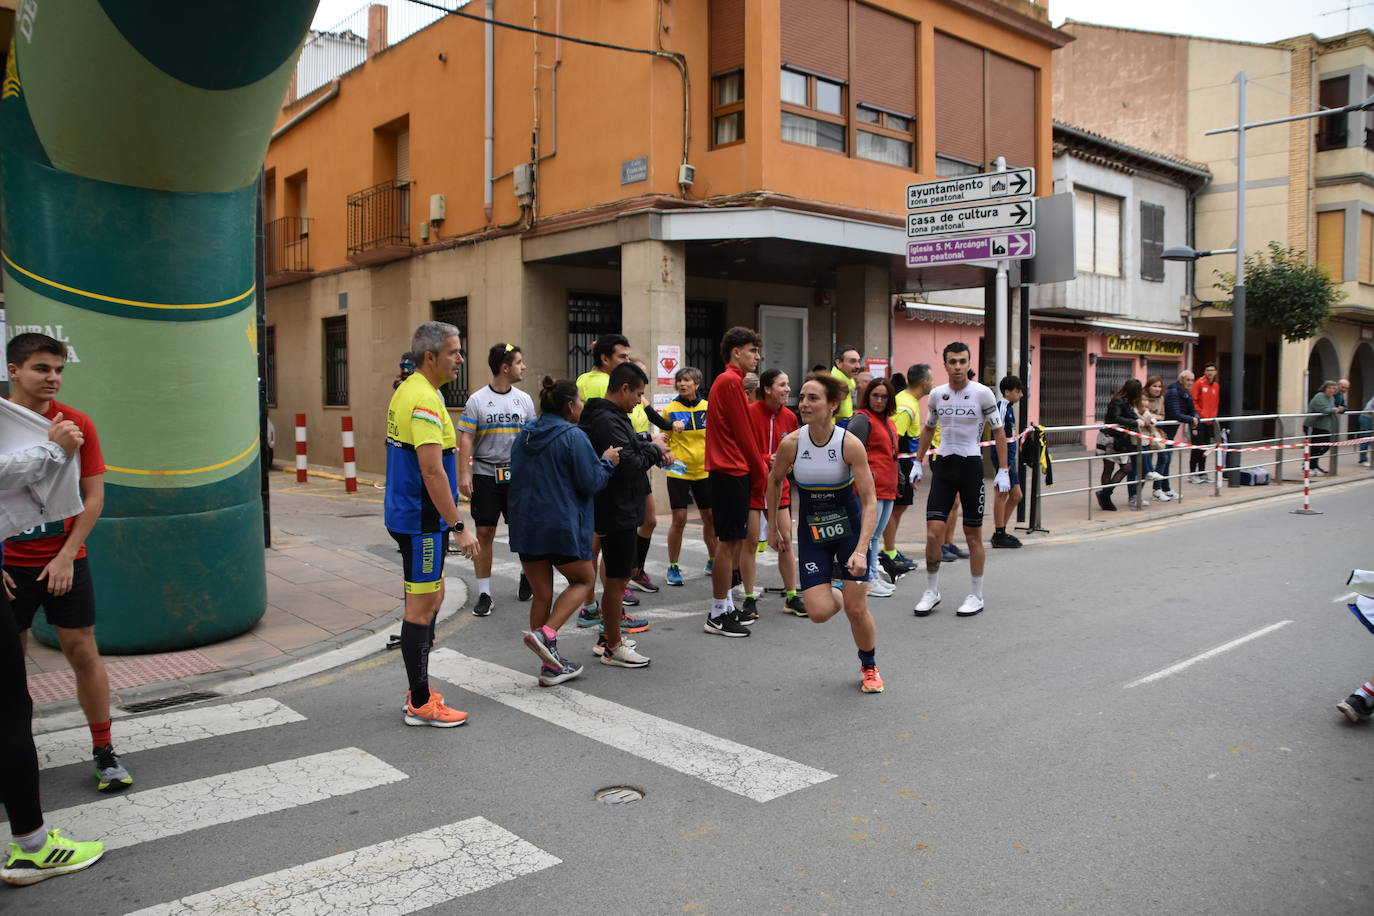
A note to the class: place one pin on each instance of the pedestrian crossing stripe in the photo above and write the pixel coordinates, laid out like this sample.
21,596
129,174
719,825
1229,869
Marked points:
735,767
398,876
165,811
145,733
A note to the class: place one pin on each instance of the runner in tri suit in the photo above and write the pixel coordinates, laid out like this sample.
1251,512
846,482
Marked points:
837,511
959,409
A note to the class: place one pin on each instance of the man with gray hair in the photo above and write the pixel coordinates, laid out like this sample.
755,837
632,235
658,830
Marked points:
421,507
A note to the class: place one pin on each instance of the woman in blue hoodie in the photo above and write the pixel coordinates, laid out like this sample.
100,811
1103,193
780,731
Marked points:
554,475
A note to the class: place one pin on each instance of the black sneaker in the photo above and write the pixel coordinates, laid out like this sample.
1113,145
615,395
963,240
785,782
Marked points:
750,612
110,774
890,566
1003,539
725,625
524,593
735,579
1355,708
795,605
483,606
628,599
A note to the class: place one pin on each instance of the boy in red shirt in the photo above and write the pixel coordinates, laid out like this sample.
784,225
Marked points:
46,566
1207,399
735,471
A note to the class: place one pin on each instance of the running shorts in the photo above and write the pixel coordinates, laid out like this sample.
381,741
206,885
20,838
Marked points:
961,476
823,548
730,505
1015,474
620,552
553,559
71,611
488,501
679,489
422,560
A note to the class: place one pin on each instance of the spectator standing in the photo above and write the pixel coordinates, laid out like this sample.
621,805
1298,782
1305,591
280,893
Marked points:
848,365
1207,398
1004,504
907,419
1366,419
556,476
772,420
1320,428
872,425
1178,406
1119,464
687,478
1150,409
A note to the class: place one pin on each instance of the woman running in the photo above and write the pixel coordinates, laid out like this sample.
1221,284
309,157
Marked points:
837,514
772,420
554,475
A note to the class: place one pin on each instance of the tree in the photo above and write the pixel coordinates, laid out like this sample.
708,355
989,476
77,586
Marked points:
1283,292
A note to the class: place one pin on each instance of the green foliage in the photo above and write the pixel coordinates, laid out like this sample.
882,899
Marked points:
1283,292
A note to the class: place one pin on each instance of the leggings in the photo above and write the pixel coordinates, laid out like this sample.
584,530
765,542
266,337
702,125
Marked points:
18,757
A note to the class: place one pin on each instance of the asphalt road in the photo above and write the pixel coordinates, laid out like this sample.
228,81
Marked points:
1012,766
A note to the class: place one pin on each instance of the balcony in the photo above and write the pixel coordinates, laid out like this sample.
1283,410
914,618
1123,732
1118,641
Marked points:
379,223
286,250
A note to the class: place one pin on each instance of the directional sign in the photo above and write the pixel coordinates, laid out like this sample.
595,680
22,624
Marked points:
1003,247
971,188
1019,214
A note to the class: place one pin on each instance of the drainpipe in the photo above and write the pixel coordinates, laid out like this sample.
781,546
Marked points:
488,105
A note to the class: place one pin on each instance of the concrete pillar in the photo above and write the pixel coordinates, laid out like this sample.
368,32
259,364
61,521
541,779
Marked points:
653,306
376,29
863,309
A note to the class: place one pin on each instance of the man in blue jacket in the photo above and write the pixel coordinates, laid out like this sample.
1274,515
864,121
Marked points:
1178,405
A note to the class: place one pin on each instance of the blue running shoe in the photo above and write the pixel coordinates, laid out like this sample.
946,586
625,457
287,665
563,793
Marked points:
630,624
674,576
710,563
589,616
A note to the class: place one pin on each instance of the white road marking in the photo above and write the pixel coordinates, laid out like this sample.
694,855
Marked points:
140,817
398,876
1210,653
729,765
145,733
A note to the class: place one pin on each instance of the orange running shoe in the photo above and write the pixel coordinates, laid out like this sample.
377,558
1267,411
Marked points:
435,713
873,681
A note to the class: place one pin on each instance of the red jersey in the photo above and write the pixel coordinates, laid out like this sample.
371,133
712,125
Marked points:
882,450
1207,396
38,546
730,445
769,427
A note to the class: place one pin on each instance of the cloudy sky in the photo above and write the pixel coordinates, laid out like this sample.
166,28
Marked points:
1244,20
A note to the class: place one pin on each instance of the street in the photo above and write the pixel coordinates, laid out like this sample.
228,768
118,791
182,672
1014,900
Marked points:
1018,761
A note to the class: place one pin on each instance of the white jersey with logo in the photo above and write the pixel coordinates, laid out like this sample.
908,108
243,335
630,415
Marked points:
821,467
493,418
960,415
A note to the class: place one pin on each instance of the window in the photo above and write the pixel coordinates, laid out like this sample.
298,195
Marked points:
1331,243
1332,130
336,361
589,316
1111,375
1097,233
727,108
949,167
884,86
454,312
1366,273
985,104
813,111
1369,115
1151,241
297,197
704,326
269,365
884,137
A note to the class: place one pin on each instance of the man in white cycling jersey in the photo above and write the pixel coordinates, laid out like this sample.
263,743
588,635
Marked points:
960,408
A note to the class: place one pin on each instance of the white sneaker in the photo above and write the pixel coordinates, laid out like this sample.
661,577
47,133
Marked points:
927,603
877,588
1154,475
1162,496
972,605
622,656
1171,494
1139,501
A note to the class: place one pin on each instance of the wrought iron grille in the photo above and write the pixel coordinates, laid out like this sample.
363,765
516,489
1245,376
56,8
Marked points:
1166,369
287,244
379,216
589,316
1061,391
1111,375
269,359
336,361
705,327
455,312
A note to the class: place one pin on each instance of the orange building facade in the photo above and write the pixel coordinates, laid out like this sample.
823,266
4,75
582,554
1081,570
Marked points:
730,162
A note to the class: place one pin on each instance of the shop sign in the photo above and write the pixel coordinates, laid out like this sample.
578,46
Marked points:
1144,346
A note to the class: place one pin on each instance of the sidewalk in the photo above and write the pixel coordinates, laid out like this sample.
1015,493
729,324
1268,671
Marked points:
330,603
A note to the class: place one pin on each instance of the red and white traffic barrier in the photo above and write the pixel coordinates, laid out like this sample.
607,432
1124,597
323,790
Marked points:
350,460
301,474
1306,481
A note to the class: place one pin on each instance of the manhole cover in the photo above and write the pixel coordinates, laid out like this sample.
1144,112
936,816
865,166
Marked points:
618,795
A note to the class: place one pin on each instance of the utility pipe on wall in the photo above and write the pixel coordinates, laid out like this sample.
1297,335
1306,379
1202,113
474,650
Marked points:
488,105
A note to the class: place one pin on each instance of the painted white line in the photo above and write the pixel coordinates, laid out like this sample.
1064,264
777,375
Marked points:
140,817
1210,653
729,765
145,733
398,876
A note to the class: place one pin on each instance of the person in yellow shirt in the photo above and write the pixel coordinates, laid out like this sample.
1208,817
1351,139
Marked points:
688,478
609,351
848,364
907,419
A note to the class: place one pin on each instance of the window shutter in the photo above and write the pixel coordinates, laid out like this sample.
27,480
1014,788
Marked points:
1011,107
1151,241
1083,233
1107,240
959,100
726,25
1331,243
1366,233
815,37
885,65
403,156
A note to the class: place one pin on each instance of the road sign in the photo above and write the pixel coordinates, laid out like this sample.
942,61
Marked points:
971,188
1001,247
1019,214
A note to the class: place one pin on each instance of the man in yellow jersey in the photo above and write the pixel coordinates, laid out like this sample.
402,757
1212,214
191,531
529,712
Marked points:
907,419
609,351
848,364
421,507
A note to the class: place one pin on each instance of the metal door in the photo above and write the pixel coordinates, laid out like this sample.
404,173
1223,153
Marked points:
1061,391
1111,375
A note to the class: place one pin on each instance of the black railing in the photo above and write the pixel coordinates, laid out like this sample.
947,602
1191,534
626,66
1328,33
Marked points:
1331,134
379,216
287,245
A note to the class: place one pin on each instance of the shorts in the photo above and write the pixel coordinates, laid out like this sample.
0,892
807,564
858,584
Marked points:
1015,474
818,562
488,501
961,476
906,493
620,553
422,560
71,611
679,488
553,559
730,501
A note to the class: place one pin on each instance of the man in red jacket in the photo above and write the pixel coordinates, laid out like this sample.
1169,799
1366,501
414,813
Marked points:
735,470
1207,399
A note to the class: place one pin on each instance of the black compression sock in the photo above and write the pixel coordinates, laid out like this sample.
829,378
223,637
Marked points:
644,545
415,639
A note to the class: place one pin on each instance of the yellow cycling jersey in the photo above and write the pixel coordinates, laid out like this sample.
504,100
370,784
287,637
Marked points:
688,446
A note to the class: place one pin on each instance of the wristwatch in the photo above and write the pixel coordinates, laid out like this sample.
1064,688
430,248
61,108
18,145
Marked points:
458,527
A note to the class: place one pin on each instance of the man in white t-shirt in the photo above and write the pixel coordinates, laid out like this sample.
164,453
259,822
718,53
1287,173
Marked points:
960,408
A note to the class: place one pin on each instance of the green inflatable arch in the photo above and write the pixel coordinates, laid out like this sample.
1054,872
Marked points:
132,135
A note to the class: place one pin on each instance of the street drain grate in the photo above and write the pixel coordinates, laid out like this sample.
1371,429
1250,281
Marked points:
179,700
619,795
